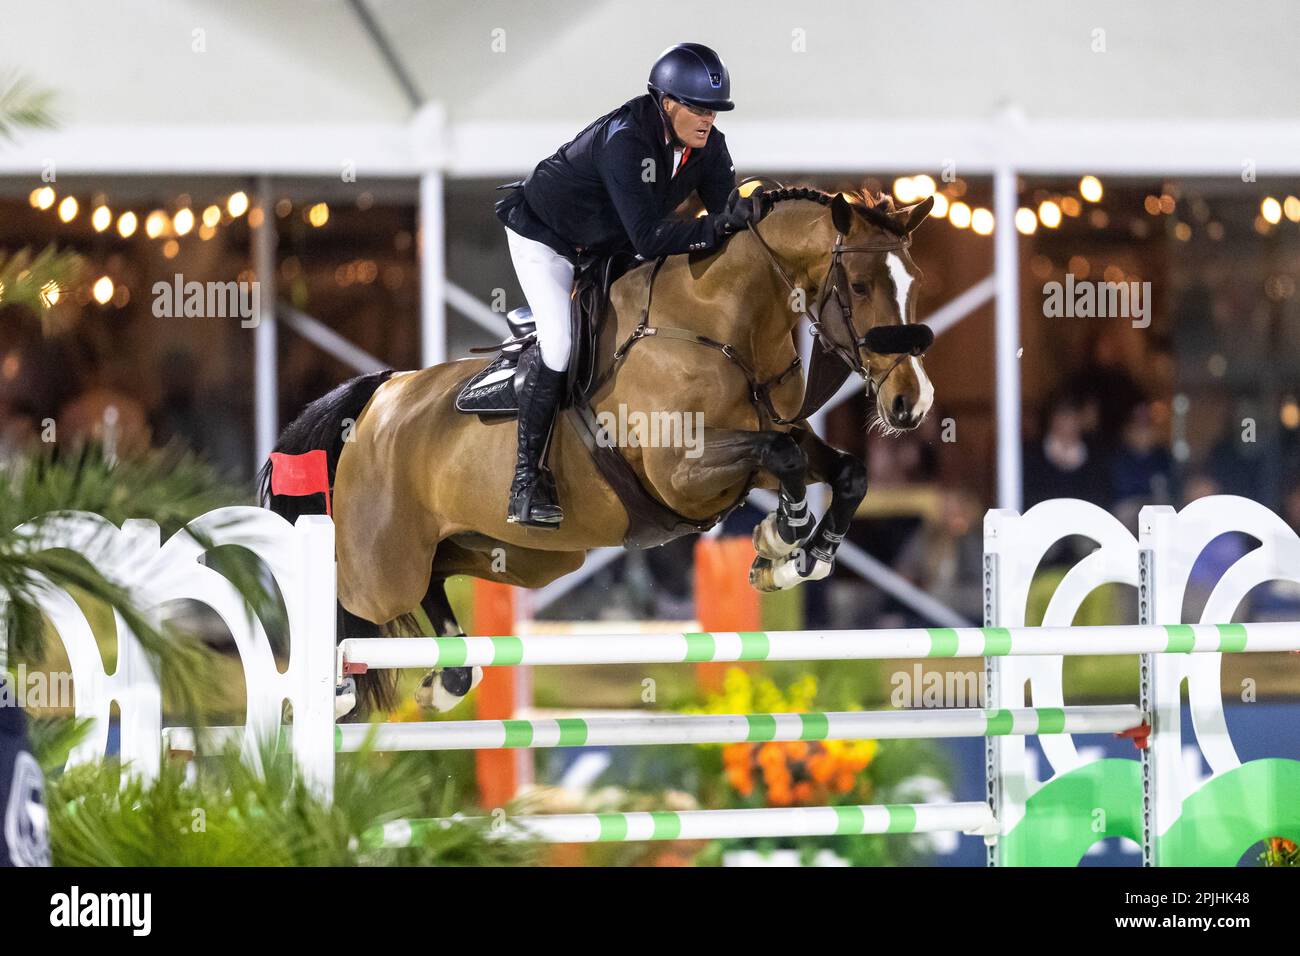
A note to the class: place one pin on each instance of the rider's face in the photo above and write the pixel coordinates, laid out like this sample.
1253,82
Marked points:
691,125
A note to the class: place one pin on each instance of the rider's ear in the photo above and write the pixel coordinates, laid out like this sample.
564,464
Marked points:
916,214
841,214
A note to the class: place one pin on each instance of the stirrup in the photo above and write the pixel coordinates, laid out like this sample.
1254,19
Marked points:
524,503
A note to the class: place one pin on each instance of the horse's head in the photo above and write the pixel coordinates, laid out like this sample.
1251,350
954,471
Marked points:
867,304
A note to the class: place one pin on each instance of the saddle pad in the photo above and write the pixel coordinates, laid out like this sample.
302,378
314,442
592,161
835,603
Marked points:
492,390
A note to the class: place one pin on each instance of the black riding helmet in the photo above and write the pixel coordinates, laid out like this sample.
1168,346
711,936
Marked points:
692,74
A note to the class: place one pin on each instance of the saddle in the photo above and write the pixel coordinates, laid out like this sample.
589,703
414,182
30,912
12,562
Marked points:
492,394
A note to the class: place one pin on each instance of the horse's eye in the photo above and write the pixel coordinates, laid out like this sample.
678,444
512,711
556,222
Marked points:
859,287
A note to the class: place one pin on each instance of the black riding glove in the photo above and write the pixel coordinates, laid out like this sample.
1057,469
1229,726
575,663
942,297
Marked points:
741,214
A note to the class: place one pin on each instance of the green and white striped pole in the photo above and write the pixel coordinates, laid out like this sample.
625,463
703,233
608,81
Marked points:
732,728
705,824
684,648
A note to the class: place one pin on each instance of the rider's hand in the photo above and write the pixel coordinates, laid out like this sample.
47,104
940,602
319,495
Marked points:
741,214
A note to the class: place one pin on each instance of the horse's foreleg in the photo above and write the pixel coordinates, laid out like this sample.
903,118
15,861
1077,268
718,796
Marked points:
847,477
779,536
782,532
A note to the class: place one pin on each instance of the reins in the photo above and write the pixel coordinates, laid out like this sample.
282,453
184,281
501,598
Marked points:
760,391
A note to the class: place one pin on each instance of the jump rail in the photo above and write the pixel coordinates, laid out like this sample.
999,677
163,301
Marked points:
357,656
973,818
703,729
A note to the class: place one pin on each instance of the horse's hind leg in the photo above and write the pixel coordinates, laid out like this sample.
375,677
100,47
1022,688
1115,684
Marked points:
372,691
443,688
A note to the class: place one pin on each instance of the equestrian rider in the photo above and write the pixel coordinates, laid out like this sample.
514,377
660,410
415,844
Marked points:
612,189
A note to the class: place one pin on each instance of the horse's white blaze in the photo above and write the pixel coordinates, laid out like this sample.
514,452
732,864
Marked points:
926,398
902,293
902,283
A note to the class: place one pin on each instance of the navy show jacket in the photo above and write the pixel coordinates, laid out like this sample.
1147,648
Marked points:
612,189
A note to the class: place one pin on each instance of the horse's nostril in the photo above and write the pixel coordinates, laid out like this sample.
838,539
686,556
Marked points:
902,410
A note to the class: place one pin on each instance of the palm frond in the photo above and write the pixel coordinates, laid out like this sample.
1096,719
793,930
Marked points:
230,814
41,282
23,106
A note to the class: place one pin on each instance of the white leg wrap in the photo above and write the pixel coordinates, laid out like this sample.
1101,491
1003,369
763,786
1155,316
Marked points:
786,573
768,541
345,698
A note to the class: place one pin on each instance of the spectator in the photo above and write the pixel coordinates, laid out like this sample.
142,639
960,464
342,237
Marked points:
945,558
1063,465
1141,471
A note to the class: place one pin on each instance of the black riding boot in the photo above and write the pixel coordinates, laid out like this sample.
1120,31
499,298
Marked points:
532,494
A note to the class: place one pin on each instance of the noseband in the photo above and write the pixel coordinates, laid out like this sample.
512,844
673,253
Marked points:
904,341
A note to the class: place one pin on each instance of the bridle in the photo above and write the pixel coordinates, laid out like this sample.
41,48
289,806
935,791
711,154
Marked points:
906,341
824,375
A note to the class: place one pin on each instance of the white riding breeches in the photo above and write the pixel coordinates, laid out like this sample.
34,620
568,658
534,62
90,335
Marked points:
547,280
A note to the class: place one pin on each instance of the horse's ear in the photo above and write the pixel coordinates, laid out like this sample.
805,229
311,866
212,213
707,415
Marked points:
841,214
916,214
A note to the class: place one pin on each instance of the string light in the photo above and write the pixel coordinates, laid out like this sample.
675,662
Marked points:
959,215
212,216
922,186
318,214
155,224
1026,221
905,189
102,290
1090,188
981,221
68,209
237,204
42,198
1271,210
1049,213
940,209
183,222
1291,206
126,224
101,218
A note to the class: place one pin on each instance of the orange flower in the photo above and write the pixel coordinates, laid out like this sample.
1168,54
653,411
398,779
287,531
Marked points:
742,783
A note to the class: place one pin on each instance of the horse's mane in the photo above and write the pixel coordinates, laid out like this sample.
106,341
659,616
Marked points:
883,201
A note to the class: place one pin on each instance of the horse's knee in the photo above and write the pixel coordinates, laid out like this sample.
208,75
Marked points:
850,479
784,458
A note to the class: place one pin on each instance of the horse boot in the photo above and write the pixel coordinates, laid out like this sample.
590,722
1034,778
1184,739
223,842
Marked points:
532,493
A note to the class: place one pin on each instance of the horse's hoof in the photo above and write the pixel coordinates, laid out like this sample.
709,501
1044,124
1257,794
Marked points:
768,541
442,689
762,575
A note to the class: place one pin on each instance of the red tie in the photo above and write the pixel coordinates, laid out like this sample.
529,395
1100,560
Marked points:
686,152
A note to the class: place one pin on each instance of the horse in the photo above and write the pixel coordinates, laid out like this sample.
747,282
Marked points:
420,490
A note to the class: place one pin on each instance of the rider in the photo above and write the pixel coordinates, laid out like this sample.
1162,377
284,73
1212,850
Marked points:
611,189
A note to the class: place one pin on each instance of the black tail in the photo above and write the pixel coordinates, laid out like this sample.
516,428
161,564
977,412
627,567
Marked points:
323,424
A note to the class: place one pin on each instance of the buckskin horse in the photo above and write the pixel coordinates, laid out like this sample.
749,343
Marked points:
419,489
